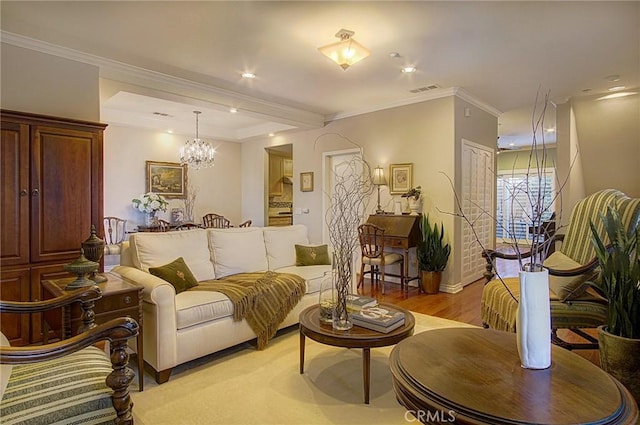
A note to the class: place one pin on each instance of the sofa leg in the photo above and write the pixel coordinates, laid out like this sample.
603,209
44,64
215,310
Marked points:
163,375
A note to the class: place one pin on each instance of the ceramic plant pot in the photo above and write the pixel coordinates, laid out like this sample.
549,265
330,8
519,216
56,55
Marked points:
430,281
620,357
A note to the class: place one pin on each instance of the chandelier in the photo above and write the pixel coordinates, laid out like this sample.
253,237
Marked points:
345,52
197,153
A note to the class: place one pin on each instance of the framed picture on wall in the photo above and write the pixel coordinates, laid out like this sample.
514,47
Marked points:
306,181
400,178
168,179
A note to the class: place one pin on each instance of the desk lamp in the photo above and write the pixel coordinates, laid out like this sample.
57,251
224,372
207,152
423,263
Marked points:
379,180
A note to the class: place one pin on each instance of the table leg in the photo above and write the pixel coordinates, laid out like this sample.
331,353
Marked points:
301,352
366,372
140,360
405,281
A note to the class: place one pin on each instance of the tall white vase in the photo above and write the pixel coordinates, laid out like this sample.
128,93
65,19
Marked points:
533,327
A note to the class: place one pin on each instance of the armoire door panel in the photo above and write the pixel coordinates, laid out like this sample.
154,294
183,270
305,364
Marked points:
15,286
14,206
61,192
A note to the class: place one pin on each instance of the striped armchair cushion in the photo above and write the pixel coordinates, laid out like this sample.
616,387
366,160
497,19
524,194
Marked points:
577,241
69,390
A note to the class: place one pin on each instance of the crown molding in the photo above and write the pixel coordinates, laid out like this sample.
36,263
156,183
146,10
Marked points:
132,74
431,95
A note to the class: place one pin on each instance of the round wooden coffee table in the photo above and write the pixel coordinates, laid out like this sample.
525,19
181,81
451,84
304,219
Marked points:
356,337
473,376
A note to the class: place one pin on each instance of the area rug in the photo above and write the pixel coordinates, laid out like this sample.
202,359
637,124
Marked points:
244,386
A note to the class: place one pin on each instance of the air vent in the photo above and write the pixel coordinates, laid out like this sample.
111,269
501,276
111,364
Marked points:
425,88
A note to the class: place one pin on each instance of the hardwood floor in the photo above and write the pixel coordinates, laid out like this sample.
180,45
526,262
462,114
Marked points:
463,306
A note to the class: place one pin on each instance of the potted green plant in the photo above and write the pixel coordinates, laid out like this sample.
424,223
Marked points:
433,254
619,282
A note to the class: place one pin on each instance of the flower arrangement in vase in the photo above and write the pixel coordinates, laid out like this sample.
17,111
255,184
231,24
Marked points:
150,203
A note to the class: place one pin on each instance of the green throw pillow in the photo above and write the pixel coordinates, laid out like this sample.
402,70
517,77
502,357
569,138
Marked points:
176,273
312,255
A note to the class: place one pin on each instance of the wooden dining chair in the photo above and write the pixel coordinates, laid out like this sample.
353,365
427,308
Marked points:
371,239
187,226
215,221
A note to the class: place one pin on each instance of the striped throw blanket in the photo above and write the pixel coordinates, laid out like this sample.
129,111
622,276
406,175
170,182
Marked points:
263,299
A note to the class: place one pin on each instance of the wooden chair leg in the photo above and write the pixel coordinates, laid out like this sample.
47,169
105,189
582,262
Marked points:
382,273
361,280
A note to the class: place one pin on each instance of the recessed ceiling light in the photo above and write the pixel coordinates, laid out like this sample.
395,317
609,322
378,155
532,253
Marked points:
617,95
248,75
617,88
233,110
170,131
612,78
409,69
394,55
271,134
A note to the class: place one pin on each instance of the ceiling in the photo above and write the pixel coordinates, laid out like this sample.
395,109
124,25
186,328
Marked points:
174,57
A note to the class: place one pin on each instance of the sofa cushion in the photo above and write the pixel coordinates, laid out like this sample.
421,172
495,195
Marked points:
570,287
156,249
314,255
195,307
280,241
312,274
176,273
237,250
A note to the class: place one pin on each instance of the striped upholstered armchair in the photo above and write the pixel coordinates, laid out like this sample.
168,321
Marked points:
574,305
69,381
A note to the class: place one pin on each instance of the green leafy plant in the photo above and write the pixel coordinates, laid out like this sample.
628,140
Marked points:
619,279
433,252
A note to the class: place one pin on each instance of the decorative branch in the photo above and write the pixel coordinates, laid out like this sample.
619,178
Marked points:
349,199
190,201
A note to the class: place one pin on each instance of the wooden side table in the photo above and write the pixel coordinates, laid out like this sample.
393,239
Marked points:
120,298
355,337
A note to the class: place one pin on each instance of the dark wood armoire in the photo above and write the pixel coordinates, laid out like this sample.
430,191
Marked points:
52,192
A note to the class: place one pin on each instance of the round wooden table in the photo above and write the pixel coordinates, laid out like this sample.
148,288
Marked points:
473,376
355,337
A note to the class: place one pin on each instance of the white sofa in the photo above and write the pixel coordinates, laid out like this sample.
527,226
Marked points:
192,324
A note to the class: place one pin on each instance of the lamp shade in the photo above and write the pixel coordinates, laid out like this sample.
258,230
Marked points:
345,52
378,177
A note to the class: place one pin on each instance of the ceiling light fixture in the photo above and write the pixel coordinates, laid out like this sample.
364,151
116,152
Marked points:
197,153
408,69
233,110
617,88
248,75
345,52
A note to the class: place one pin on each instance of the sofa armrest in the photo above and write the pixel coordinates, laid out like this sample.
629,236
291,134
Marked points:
159,314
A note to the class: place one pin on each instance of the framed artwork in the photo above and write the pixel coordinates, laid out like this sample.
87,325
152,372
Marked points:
306,181
168,179
400,178
177,216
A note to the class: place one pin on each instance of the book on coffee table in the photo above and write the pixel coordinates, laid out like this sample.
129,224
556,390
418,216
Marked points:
382,319
358,302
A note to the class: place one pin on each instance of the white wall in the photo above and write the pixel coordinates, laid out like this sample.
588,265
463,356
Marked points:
422,134
44,84
125,153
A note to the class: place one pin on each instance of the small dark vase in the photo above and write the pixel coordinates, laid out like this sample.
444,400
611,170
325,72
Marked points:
93,249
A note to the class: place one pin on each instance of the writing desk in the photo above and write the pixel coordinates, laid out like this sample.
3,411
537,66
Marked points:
400,231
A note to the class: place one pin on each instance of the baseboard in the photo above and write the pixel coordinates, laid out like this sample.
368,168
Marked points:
451,288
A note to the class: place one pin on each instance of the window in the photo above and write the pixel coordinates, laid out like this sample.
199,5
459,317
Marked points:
514,211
